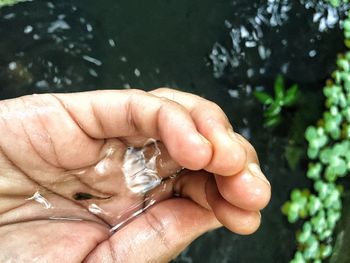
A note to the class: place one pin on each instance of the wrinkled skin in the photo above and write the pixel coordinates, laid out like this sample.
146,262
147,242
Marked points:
52,144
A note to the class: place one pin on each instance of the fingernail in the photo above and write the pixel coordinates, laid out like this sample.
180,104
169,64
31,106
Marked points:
255,170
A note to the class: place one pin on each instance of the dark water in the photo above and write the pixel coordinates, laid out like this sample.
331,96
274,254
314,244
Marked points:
81,45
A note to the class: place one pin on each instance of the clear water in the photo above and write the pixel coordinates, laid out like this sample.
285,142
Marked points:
81,45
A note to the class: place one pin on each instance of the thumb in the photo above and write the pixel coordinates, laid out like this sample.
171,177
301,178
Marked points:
158,235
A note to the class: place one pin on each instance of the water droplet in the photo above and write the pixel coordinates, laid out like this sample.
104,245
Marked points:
111,42
137,72
312,53
233,93
12,65
88,27
28,29
92,60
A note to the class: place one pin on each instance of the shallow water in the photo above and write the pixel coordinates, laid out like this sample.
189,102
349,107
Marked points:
83,45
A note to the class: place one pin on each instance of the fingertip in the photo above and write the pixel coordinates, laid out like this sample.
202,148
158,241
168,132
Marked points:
249,225
235,219
245,190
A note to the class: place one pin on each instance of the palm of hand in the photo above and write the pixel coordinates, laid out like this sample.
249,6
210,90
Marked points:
48,149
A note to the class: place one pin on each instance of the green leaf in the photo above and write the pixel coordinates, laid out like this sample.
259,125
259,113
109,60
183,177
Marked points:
312,152
311,133
314,171
279,88
298,258
343,64
273,110
326,251
291,95
330,174
326,155
295,195
285,207
271,122
334,3
10,2
346,25
263,97
314,205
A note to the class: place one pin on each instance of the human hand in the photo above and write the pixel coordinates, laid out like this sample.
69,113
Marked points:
52,143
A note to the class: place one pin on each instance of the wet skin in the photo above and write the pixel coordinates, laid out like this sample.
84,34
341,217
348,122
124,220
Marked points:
53,143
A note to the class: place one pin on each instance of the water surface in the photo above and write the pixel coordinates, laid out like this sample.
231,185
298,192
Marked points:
76,45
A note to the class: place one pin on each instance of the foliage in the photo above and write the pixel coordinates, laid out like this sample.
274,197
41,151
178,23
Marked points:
329,154
10,2
346,27
337,3
274,106
304,114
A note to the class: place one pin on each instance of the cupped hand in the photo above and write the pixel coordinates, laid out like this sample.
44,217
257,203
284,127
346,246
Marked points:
62,145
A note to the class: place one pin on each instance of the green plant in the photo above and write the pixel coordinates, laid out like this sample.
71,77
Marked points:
336,3
329,154
10,2
274,106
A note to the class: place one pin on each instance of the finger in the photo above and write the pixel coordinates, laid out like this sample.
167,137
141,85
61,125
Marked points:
234,218
192,185
249,189
229,157
157,235
201,187
39,127
106,114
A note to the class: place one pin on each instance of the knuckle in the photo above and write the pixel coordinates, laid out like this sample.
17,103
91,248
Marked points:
213,106
214,111
170,104
162,90
137,92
